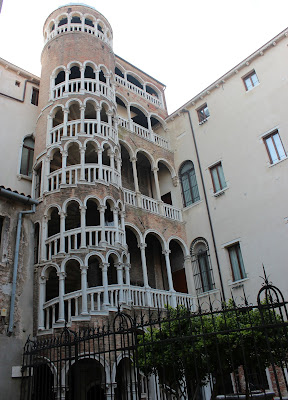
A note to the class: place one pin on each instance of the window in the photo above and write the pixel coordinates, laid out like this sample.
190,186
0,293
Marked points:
189,184
274,147
201,265
218,178
203,114
17,83
250,81
27,156
35,96
236,261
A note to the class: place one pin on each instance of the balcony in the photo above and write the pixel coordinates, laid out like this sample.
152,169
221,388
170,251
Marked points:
91,173
74,239
137,90
90,128
76,86
152,205
146,134
125,295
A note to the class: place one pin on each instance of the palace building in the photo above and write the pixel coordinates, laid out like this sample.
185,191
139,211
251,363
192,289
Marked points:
107,201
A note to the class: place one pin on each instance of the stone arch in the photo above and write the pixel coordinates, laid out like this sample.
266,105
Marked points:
167,164
54,148
147,155
72,101
66,259
46,267
96,254
91,18
64,207
134,78
60,17
94,273
181,243
158,235
154,88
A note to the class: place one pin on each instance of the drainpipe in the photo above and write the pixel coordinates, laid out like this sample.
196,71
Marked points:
206,202
25,200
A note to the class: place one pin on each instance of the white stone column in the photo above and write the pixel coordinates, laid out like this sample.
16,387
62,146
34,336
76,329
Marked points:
82,164
83,227
42,291
107,76
97,79
149,123
46,167
44,237
67,73
135,177
98,114
130,120
109,115
49,129
168,268
156,180
62,230
62,277
115,211
100,164
122,216
127,268
84,269
65,121
64,164
82,70
142,247
119,269
104,268
82,119
102,209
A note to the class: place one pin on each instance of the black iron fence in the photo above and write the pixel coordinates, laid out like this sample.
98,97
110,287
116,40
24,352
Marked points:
221,351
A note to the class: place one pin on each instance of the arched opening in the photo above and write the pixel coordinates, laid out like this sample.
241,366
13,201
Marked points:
89,73
74,73
94,273
144,175
53,222
89,22
73,276
72,219
105,155
43,382
136,273
100,28
91,155
90,112
139,117
119,72
126,170
125,379
151,91
103,113
86,380
156,267
102,76
165,183
112,272
74,112
73,157
63,21
60,77
27,156
177,267
36,242
156,125
189,185
92,213
56,161
121,108
58,117
109,219
76,20
201,266
134,80
52,284
51,26
38,180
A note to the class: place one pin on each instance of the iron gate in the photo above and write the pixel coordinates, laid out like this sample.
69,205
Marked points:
222,350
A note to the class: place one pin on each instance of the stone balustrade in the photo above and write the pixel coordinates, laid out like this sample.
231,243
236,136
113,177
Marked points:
144,133
137,90
152,205
117,294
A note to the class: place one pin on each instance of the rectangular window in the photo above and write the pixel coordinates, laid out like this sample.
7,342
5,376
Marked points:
236,261
35,96
274,147
250,81
218,178
203,114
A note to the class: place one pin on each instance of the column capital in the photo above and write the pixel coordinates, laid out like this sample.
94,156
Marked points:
119,266
43,279
155,169
62,214
188,258
142,246
82,108
66,110
61,275
175,180
104,266
127,266
83,208
114,209
166,252
122,214
84,268
101,208
64,153
133,159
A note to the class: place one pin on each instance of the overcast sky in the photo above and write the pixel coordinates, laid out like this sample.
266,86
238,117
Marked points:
185,44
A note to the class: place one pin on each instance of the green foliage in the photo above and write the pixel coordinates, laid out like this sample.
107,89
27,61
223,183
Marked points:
189,347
